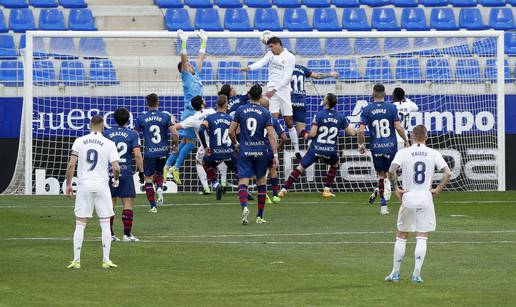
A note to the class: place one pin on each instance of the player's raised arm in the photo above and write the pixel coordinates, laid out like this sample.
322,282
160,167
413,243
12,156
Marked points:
184,57
202,51
401,131
324,75
260,63
69,172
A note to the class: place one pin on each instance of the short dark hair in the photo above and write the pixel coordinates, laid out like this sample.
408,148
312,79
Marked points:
96,120
222,100
274,40
197,102
398,94
255,92
121,116
152,100
379,90
225,90
332,100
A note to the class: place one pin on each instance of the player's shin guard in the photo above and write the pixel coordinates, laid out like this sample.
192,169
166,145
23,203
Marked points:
330,177
381,187
419,254
203,177
399,253
78,238
127,220
149,190
275,186
242,194
184,151
106,239
158,180
291,179
292,132
262,192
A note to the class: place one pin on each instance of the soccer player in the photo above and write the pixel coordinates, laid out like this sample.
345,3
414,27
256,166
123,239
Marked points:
220,149
192,86
382,120
127,141
281,66
92,153
298,95
253,119
324,132
234,101
416,213
155,125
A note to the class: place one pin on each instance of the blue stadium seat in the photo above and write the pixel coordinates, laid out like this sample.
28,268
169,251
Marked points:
501,19
3,25
73,4
308,46
176,19
384,19
471,19
51,20
295,19
485,46
321,66
92,47
72,73
286,44
433,2
378,70
375,2
409,71
208,20
325,19
266,19
259,75
338,46
102,72
14,3
405,3
43,3
81,20
367,46
228,3
490,71
427,46
468,71
348,70
463,3
258,3
237,20
169,4
397,46
38,45
510,43
346,3
218,46
413,19
491,2
287,3
192,46
199,3
11,73
459,47
317,3
511,2
43,73
206,73
443,19
355,19
229,72
249,47
21,20
62,48
438,70
7,47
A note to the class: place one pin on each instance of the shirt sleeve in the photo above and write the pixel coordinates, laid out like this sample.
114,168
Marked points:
75,148
290,63
364,118
395,115
262,62
307,72
345,123
236,117
135,142
278,127
315,120
138,126
268,119
440,163
113,152
413,106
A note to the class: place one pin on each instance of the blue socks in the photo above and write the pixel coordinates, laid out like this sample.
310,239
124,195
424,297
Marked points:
173,157
184,151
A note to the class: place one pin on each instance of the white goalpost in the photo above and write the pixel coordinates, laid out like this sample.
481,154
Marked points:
457,79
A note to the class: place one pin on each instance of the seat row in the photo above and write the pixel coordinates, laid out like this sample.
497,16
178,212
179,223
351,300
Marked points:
21,20
43,3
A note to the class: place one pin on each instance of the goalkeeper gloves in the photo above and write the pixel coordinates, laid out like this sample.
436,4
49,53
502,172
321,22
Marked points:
142,177
183,37
204,38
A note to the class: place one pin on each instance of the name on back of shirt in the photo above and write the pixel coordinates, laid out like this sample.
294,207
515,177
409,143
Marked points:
419,154
222,121
93,141
376,111
332,120
153,118
118,133
253,110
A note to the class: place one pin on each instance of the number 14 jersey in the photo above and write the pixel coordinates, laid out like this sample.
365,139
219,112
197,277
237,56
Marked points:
154,126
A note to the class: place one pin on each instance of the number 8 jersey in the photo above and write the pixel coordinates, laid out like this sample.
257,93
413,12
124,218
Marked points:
154,126
379,117
329,123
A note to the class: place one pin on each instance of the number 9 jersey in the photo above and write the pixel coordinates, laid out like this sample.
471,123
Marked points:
154,126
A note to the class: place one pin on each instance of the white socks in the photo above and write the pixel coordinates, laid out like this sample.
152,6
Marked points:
399,252
223,169
419,254
201,173
78,238
106,238
292,132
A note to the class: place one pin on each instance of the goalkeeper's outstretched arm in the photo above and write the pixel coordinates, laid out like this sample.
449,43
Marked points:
184,57
202,51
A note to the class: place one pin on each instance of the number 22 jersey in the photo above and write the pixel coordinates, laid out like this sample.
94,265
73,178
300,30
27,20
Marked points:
154,126
329,123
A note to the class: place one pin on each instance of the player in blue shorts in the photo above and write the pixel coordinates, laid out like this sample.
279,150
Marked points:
253,119
324,133
192,86
128,143
382,120
155,125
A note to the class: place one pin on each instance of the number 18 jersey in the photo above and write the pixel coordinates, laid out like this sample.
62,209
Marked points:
154,126
329,123
379,117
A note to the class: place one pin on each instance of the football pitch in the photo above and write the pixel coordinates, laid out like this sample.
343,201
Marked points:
312,252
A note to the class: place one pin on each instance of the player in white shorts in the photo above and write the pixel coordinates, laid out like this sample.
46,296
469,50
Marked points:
416,214
93,153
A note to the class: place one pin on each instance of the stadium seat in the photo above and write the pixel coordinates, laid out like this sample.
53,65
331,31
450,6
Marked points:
511,2
325,19
258,3
43,73
72,73
62,48
258,75
249,47
228,3
286,44
490,71
321,66
206,73
355,19
21,20
218,46
485,46
501,19
192,46
317,3
375,2
51,20
413,19
287,3
7,48
38,45
367,46
397,46
81,20
178,18
73,4
438,70
43,3
463,3
338,46
433,2
491,2
409,71
11,4
348,70
102,72
237,20
11,73
229,72
510,43
384,19
471,19
266,19
199,3
92,47
346,3
208,20
378,70
427,46
468,71
308,46
459,47
3,25
405,3
443,19
295,19
169,4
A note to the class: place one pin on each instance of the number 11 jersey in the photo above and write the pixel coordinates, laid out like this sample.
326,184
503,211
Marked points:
154,126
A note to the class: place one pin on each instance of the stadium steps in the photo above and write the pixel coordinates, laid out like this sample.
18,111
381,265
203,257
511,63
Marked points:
127,16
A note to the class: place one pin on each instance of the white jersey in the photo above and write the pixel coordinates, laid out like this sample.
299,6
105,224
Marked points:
405,107
281,68
95,153
196,120
418,164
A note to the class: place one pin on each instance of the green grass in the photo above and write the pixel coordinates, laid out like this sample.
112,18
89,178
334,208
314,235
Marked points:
311,252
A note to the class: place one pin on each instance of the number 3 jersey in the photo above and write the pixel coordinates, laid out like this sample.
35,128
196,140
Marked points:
329,123
154,126
379,117
125,140
253,120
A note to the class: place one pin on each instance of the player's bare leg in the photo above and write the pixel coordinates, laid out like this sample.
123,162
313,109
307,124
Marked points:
114,238
149,191
330,177
399,253
243,195
78,238
300,128
419,256
127,220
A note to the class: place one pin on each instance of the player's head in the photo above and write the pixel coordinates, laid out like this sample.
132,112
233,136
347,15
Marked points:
419,134
152,101
378,92
198,103
222,103
227,90
398,94
255,92
122,116
275,45
330,101
97,123
188,67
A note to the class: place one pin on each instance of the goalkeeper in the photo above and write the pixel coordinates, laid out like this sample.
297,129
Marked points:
192,87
